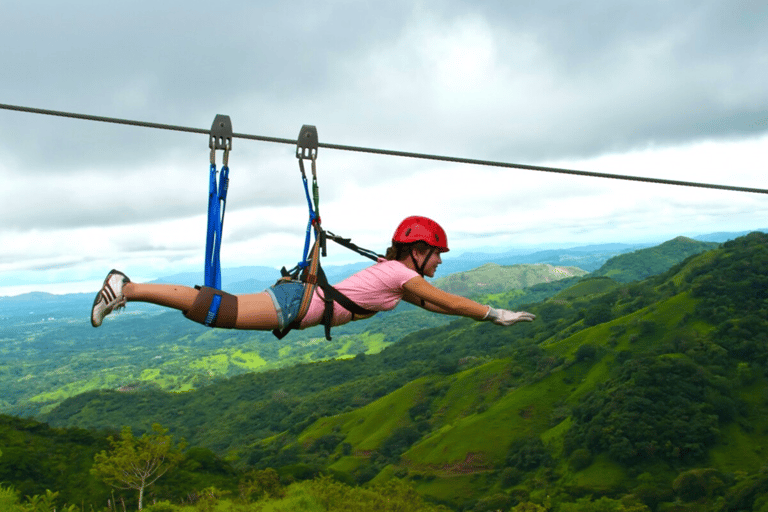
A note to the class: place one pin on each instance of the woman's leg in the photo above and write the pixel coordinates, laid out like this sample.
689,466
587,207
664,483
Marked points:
254,311
168,295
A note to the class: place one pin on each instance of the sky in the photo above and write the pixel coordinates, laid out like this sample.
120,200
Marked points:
672,90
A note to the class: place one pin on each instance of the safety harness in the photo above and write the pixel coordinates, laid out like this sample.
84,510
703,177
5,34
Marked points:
309,271
216,308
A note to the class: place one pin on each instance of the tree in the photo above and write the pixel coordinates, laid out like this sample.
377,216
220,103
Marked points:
259,483
586,352
133,463
598,314
528,453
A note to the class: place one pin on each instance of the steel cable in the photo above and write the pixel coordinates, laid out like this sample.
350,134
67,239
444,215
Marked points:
387,152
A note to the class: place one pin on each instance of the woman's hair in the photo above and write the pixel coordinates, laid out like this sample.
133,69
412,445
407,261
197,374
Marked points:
399,250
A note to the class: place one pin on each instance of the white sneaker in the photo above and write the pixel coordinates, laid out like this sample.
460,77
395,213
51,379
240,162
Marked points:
109,298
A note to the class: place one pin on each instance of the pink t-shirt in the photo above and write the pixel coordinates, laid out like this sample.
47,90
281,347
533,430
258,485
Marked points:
376,288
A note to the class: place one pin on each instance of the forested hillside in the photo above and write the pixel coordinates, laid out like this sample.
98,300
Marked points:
650,394
651,261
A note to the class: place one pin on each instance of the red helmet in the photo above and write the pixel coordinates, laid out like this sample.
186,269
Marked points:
421,229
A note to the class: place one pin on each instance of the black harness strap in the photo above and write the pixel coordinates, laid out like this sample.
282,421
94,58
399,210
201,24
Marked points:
331,295
347,242
306,275
313,276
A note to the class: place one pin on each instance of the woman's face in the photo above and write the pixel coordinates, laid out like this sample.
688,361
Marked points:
432,261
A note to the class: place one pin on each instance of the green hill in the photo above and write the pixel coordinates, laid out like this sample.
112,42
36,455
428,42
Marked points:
652,261
654,392
651,391
492,278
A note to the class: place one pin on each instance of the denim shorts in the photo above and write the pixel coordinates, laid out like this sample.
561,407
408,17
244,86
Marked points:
286,297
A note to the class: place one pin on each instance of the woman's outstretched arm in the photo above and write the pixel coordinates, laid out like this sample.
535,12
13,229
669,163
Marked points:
434,299
439,301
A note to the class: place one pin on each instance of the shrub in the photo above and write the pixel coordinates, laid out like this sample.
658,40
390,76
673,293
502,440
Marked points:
161,506
580,459
689,486
493,503
9,499
528,453
510,477
586,351
400,440
696,483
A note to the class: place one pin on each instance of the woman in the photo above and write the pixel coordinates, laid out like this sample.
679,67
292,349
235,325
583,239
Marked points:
415,253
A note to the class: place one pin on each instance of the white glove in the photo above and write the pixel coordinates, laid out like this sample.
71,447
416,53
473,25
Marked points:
506,317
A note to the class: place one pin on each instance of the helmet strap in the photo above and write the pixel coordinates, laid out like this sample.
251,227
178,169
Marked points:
420,268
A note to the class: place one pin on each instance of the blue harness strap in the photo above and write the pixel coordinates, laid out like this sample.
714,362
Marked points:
213,312
217,201
220,138
312,219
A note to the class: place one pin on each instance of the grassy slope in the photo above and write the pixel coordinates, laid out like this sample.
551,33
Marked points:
644,263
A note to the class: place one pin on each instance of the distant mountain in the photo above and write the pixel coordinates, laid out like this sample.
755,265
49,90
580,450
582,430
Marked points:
723,236
39,305
249,279
494,278
255,279
651,261
588,257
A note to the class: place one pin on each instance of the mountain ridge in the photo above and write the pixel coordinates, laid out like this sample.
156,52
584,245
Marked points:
467,261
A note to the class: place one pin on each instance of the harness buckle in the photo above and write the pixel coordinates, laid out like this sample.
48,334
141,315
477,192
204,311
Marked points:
307,143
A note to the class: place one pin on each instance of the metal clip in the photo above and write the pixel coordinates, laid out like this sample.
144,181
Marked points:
307,144
220,137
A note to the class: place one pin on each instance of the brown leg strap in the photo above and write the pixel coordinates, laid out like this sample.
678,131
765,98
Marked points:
214,308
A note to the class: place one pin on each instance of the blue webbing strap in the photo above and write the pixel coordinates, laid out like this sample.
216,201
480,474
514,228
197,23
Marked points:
220,138
306,147
217,201
213,311
312,217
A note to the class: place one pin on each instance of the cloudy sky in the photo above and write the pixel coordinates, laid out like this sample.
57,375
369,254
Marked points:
674,90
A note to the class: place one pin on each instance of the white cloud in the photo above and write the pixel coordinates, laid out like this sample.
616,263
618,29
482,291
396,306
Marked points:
669,90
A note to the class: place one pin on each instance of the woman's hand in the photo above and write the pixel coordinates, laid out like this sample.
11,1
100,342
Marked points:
506,317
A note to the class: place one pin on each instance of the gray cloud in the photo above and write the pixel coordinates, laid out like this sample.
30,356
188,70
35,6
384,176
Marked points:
529,83
593,78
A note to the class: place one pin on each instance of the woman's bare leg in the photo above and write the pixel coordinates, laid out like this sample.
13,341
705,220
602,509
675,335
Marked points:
168,295
254,311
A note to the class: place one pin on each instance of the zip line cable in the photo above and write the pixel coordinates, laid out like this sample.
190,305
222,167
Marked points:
387,152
